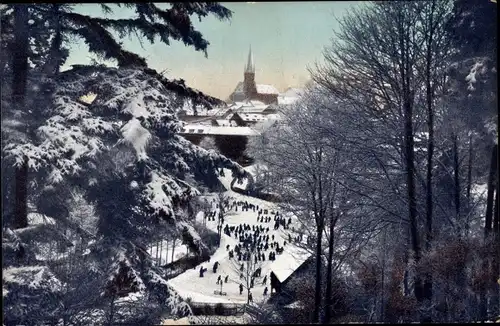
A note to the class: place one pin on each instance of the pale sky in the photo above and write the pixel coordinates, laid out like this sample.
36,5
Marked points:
285,37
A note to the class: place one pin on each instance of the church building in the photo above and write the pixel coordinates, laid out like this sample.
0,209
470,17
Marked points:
249,90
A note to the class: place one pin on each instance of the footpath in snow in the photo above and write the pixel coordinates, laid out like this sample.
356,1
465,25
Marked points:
201,290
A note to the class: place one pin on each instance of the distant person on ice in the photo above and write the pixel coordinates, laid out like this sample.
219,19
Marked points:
226,278
201,271
250,297
219,280
216,264
241,289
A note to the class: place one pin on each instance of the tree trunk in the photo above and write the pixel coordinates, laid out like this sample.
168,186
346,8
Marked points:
166,256
412,209
382,291
111,315
469,168
491,190
317,288
469,185
483,306
456,177
19,81
173,249
495,299
320,224
409,147
161,251
406,260
496,218
55,61
427,290
157,249
328,292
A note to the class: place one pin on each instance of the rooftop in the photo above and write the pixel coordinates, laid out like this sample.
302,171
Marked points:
218,130
252,117
267,89
261,89
288,262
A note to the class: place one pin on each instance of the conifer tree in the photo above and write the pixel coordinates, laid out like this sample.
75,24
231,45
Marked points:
57,22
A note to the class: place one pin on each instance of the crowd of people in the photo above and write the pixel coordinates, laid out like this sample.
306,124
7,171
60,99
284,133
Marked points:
254,241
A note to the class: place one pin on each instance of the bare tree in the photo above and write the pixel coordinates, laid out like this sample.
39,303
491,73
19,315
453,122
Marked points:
248,271
436,48
302,161
301,165
383,55
264,313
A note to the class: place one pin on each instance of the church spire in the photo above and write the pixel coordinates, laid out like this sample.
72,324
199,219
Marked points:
250,67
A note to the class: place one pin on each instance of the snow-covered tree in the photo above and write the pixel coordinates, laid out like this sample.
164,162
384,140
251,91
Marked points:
208,143
42,51
473,97
311,169
122,152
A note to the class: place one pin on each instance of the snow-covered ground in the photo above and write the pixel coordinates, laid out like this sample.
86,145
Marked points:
201,290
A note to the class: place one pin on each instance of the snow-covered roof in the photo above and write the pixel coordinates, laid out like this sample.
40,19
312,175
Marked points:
252,117
252,109
257,103
261,89
266,89
288,262
218,130
236,105
273,116
223,123
222,112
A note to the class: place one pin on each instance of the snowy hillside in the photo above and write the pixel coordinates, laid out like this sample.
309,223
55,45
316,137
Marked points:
201,290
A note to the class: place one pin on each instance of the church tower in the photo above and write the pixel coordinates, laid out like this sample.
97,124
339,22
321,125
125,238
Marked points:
249,87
